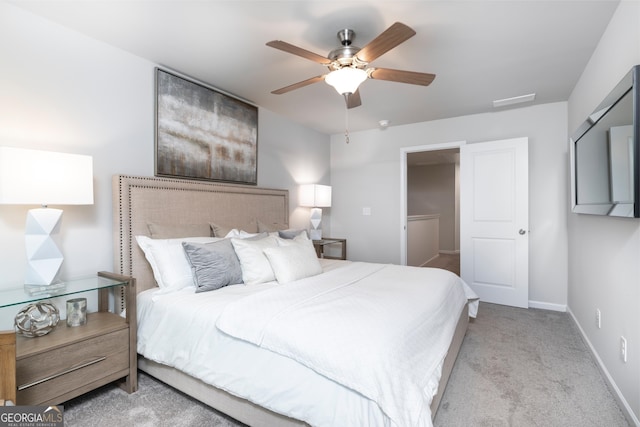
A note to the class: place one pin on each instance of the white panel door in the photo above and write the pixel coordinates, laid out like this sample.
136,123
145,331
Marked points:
494,223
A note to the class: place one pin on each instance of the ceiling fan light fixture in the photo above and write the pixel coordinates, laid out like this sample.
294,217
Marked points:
346,79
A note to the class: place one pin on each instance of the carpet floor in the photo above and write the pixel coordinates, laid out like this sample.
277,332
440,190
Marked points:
449,262
516,368
526,367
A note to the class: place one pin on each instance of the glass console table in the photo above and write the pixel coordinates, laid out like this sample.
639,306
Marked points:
26,294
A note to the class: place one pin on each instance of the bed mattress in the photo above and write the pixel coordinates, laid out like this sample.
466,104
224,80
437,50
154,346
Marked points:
179,330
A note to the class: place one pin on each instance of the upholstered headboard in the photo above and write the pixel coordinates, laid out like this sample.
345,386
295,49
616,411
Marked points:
138,201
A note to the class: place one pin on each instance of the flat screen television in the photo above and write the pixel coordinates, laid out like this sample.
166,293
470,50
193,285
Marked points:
605,160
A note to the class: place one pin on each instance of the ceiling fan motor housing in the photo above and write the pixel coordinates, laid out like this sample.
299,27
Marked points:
344,56
346,36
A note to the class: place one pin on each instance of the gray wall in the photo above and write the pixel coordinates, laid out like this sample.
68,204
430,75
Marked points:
431,189
604,253
366,173
62,91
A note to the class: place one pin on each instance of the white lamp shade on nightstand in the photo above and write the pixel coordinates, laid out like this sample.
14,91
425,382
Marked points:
316,197
33,177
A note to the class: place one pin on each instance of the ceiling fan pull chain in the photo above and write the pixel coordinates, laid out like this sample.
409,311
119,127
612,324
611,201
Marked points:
346,122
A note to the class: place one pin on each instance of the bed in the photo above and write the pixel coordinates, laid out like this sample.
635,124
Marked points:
172,207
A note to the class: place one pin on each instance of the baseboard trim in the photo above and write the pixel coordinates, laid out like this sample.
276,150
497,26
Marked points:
617,394
429,260
449,252
548,306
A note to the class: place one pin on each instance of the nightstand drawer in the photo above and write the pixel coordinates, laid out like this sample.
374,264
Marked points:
45,377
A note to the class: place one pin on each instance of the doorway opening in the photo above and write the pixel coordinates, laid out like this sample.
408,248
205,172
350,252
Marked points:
430,205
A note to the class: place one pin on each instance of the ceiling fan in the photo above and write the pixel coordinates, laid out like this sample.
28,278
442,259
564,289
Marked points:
348,64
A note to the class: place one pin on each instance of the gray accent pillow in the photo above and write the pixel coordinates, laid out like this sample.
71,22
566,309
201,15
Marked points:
214,265
291,233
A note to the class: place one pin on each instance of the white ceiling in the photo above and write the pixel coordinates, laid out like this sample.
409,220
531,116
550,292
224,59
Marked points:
480,50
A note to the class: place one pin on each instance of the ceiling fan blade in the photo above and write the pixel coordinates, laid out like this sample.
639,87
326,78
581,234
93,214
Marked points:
410,77
353,99
289,48
390,38
298,85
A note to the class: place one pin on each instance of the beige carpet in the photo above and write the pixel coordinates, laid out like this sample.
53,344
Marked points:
516,368
520,367
449,262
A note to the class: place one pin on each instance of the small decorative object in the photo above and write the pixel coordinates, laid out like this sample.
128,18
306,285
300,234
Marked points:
37,319
76,312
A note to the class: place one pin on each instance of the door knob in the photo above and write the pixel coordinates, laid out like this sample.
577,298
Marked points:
521,232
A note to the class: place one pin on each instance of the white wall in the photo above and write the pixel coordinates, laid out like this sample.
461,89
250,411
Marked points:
366,173
288,155
423,242
604,253
62,91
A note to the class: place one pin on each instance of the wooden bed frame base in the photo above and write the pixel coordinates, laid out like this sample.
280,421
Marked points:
138,201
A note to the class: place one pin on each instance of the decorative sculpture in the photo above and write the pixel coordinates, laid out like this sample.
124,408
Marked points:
37,319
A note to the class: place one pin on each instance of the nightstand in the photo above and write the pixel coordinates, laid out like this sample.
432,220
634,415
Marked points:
70,361
321,244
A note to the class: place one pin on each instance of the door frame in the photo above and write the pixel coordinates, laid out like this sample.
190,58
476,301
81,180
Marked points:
403,186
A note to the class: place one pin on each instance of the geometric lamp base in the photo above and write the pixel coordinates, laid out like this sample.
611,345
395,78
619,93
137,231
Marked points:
315,231
44,258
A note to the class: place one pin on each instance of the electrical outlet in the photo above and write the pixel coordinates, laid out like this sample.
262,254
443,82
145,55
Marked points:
598,318
623,349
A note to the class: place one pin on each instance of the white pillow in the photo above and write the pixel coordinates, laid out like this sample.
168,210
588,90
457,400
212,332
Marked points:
234,232
170,266
241,234
253,262
293,261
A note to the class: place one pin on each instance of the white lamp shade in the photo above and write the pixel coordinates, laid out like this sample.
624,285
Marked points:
346,79
315,195
33,177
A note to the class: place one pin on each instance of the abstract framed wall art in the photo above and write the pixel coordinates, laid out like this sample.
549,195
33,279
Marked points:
202,133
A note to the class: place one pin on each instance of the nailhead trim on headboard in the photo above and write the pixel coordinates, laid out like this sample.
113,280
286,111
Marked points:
140,200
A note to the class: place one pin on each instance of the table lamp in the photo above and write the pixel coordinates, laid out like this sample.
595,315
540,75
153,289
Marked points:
33,177
315,196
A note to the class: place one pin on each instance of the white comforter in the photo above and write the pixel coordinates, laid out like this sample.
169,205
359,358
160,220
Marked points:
179,330
382,330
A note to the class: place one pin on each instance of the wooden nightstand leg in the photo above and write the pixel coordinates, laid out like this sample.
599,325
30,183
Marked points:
8,366
130,384
103,300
